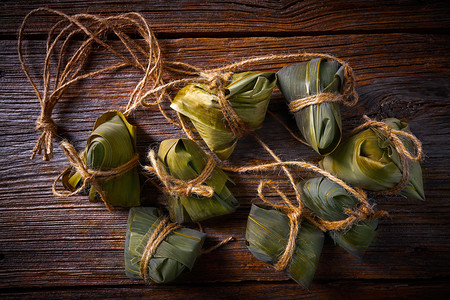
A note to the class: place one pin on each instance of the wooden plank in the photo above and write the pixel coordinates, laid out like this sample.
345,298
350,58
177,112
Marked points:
248,17
72,243
319,290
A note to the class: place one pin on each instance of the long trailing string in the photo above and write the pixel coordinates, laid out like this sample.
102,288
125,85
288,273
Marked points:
217,79
93,27
59,39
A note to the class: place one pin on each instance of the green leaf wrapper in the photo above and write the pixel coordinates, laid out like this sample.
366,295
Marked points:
267,236
320,124
369,160
176,253
328,200
248,93
185,160
111,144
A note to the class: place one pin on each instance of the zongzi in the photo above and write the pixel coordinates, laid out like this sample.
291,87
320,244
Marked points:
267,236
173,256
329,201
320,124
185,160
248,93
111,144
369,160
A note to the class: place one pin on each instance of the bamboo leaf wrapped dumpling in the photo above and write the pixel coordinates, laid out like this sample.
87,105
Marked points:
173,256
267,235
329,201
320,124
185,160
248,93
369,160
111,144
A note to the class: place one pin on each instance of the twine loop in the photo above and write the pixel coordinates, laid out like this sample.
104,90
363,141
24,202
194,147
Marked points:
293,213
177,187
163,229
395,136
92,177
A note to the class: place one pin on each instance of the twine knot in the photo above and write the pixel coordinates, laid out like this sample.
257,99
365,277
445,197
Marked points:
189,188
92,177
394,136
216,80
294,214
364,211
46,123
44,143
178,187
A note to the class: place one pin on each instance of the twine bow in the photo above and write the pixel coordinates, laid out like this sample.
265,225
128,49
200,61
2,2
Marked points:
163,229
178,187
395,136
92,177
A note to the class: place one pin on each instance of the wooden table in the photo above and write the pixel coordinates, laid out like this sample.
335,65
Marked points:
67,247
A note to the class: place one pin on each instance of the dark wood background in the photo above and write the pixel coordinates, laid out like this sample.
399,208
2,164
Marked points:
67,247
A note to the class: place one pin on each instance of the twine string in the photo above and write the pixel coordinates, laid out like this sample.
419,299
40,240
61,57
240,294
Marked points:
94,27
67,74
347,97
395,136
364,211
178,187
163,229
92,177
217,79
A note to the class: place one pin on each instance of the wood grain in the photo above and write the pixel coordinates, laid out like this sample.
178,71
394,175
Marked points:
320,290
68,247
249,17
